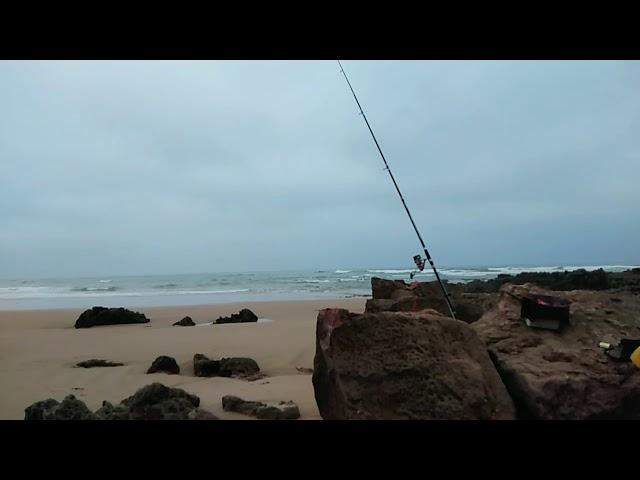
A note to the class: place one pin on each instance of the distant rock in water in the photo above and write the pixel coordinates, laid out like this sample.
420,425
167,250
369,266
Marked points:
565,375
98,363
404,365
580,279
244,316
164,364
185,322
109,316
69,409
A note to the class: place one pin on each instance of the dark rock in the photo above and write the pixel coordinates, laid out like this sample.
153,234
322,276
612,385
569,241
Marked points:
112,412
185,322
158,402
568,280
164,364
238,367
245,315
231,403
565,375
404,365
199,414
280,411
263,411
153,402
69,409
98,363
109,316
36,411
204,367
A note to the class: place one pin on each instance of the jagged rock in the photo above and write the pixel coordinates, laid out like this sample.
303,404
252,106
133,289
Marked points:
204,367
238,367
109,411
404,365
164,364
69,409
263,411
108,316
152,402
398,296
245,315
98,363
158,402
185,322
36,410
565,375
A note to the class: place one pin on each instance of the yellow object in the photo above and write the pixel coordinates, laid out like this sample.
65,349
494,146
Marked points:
635,357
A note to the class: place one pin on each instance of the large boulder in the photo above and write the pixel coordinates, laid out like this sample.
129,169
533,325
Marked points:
108,316
398,296
565,375
243,316
404,365
164,364
69,409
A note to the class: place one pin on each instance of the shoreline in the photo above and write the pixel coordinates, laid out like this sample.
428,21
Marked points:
41,347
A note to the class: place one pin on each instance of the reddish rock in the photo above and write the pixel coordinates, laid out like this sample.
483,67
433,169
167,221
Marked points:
402,365
565,375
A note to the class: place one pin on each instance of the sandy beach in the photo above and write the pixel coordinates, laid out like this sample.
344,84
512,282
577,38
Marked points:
39,350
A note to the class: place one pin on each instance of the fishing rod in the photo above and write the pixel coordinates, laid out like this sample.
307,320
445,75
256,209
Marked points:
419,262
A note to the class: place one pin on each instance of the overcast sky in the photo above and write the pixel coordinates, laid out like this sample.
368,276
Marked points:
134,167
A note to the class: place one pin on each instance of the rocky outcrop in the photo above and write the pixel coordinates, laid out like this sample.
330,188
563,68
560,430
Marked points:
262,411
164,364
108,316
185,322
69,409
398,296
158,402
245,315
404,365
565,375
580,279
205,367
152,402
94,362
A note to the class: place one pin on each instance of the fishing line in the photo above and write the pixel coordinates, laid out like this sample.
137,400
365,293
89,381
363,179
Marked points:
419,262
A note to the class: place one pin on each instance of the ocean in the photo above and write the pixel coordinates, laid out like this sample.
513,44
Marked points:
194,289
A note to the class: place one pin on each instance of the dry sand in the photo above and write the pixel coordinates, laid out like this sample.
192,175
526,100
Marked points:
39,350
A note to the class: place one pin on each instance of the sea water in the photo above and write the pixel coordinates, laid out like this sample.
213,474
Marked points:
204,288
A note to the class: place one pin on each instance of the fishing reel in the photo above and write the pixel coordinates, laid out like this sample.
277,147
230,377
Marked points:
419,261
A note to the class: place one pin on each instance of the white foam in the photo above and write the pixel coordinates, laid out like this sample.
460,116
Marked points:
343,271
390,271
